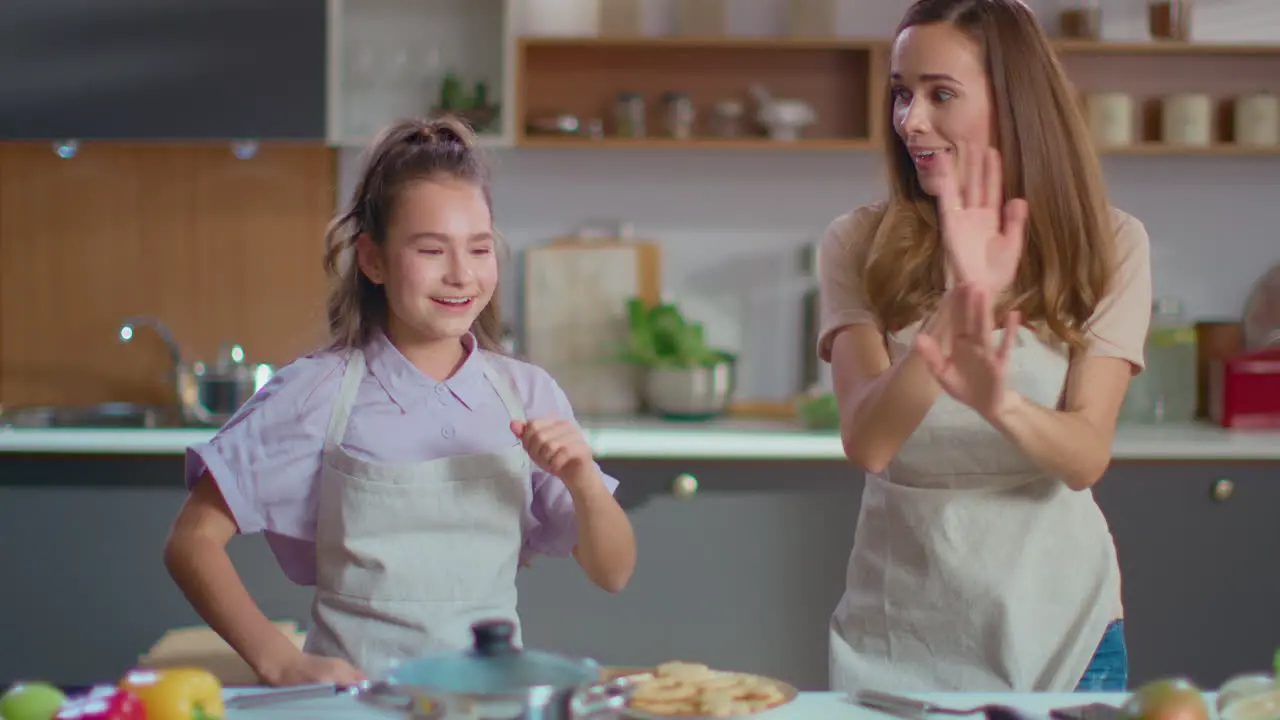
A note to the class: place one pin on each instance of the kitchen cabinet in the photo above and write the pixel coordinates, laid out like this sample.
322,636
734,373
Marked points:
157,69
742,574
222,249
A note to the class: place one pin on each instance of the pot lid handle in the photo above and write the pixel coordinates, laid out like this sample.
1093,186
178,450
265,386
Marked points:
493,637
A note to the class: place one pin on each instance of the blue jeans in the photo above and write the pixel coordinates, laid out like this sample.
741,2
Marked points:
1109,669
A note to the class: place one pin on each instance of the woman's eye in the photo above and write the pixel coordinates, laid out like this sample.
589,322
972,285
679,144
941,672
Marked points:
943,95
901,94
430,251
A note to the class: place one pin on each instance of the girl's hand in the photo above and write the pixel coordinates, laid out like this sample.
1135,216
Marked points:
307,669
982,234
971,370
556,446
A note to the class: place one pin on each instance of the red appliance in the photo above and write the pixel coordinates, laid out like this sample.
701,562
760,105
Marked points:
1244,390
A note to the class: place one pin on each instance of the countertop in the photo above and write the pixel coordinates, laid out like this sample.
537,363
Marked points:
645,438
808,706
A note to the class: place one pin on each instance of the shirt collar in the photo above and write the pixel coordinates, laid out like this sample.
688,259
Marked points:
409,386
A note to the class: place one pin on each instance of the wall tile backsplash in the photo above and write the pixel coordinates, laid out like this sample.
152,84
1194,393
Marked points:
732,226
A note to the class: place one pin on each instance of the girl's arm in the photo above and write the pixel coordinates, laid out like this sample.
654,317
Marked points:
606,548
196,557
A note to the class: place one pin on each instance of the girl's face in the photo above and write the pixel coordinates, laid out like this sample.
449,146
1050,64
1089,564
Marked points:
941,98
438,264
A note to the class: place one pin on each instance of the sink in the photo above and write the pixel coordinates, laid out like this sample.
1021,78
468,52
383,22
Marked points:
105,415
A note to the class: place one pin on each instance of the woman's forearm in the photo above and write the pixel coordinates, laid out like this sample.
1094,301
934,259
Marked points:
877,418
606,548
1066,445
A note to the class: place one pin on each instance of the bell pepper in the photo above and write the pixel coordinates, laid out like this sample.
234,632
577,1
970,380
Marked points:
177,693
103,703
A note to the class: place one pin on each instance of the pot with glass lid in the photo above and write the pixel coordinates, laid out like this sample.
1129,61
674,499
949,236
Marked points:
495,680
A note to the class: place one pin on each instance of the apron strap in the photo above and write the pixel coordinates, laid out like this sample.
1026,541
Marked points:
346,398
505,392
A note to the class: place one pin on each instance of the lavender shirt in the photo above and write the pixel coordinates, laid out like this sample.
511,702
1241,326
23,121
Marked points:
266,460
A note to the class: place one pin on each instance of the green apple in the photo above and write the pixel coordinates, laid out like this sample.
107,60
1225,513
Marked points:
31,701
1168,699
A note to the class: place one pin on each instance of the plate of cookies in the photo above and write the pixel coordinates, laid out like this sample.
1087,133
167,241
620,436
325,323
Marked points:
680,689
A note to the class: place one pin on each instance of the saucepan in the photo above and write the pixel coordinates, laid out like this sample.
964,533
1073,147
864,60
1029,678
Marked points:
492,680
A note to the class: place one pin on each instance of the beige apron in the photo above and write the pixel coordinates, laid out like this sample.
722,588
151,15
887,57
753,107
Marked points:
408,556
971,570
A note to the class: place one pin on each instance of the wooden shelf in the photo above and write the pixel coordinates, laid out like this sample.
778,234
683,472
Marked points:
1165,48
1154,148
660,143
843,79
583,77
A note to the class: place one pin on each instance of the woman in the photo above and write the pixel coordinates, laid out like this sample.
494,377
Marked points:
981,561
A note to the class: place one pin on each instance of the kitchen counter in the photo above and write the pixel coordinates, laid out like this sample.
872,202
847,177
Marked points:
808,706
651,439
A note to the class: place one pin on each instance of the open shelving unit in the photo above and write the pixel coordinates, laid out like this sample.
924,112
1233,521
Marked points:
388,58
842,78
582,77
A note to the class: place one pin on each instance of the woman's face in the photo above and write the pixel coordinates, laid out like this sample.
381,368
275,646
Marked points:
941,98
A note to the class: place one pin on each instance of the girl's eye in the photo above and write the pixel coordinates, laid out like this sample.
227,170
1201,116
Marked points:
943,95
431,251
482,250
901,94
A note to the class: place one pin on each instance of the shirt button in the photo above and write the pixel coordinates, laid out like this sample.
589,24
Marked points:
447,431
441,389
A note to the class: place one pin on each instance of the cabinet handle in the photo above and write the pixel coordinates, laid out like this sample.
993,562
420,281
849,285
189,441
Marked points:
684,486
1223,489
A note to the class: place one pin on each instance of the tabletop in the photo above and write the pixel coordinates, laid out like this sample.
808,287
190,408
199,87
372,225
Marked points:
808,706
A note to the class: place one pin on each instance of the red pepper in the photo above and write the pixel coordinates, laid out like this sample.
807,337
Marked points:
103,703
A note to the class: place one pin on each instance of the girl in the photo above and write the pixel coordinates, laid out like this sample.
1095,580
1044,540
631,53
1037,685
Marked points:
981,561
408,470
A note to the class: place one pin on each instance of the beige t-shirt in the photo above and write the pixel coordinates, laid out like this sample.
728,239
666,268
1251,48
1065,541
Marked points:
1117,328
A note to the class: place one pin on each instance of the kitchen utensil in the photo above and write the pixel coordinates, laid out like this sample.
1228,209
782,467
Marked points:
380,694
905,707
1262,312
1257,120
1215,340
575,299
496,679
207,395
700,392
1187,119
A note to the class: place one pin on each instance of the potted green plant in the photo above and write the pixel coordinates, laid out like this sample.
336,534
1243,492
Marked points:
684,378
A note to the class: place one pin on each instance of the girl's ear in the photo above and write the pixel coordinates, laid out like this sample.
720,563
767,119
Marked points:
369,257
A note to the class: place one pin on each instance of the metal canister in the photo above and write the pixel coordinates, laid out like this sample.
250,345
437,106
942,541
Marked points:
679,115
629,115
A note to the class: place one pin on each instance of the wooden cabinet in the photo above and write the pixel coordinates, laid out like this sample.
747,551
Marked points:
743,574
156,69
1195,542
221,249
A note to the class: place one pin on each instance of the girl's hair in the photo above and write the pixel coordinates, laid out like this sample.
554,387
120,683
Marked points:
406,152
1048,159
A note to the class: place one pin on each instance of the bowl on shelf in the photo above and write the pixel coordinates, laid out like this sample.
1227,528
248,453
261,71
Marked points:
699,392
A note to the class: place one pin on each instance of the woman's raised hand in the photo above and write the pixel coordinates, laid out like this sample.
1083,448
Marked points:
982,234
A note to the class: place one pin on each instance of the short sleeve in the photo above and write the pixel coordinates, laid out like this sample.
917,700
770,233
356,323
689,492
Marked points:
551,527
842,298
266,459
1118,326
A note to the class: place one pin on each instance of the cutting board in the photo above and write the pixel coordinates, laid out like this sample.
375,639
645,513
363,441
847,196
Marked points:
201,647
575,316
